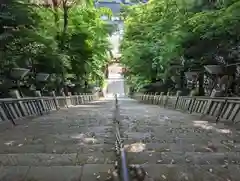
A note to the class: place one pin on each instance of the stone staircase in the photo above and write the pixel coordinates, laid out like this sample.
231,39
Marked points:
171,147
77,144
69,145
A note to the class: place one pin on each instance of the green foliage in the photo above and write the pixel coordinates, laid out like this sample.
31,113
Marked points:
63,42
163,32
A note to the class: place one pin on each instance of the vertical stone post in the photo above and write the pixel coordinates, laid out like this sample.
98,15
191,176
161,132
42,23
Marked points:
160,98
77,99
166,99
154,98
149,98
178,95
82,98
66,103
69,99
209,104
55,100
10,108
42,105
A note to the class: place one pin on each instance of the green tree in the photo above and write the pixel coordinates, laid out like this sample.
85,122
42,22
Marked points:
161,33
67,40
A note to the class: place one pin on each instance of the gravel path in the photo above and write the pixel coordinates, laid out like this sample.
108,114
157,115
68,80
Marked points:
77,144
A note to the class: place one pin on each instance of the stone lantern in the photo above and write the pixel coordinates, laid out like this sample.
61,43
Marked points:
213,69
192,76
19,73
42,77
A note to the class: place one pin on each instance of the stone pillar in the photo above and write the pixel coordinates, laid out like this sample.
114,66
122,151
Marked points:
16,95
81,98
38,93
77,98
166,99
178,93
154,99
69,99
160,98
63,94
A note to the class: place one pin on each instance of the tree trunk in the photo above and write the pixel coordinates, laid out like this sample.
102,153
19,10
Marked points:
65,23
201,82
181,79
56,17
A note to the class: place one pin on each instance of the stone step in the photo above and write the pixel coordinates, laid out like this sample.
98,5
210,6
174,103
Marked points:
164,136
24,173
181,146
33,159
183,172
41,159
188,158
100,172
88,172
59,148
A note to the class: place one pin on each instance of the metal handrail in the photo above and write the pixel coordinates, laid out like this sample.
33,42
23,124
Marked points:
122,164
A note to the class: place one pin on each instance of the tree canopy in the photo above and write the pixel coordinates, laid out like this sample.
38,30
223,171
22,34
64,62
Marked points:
186,33
66,39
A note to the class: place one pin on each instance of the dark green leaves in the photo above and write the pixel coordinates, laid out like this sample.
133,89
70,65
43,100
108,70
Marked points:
162,31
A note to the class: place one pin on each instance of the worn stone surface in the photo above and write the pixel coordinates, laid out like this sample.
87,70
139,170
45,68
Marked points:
58,173
38,159
58,145
96,172
174,146
12,173
78,144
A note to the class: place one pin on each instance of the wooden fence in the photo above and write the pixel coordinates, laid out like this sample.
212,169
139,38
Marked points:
15,109
219,108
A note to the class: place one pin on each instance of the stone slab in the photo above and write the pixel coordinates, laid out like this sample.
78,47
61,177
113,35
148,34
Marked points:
39,159
96,158
157,172
96,172
188,158
54,173
13,173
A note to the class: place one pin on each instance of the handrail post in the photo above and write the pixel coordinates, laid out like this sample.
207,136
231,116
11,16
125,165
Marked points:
42,103
38,103
16,94
178,95
149,98
166,101
175,106
154,98
9,115
208,107
221,109
65,97
160,98
191,105
144,97
55,100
